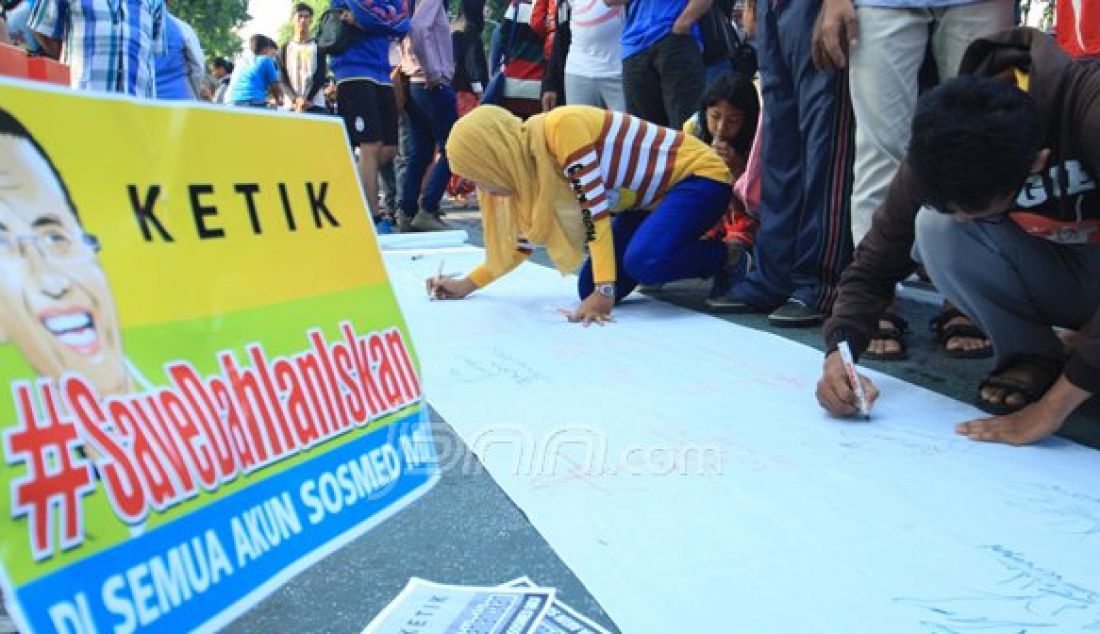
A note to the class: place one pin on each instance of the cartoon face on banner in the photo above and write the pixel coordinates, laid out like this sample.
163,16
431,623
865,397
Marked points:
60,310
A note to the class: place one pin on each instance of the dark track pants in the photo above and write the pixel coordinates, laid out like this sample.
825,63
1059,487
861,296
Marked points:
804,241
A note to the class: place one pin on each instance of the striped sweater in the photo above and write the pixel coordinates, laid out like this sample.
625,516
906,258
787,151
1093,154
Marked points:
617,162
526,58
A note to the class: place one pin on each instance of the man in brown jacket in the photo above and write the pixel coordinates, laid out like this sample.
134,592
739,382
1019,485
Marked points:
998,198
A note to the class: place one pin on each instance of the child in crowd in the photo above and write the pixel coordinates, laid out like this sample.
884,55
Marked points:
256,75
728,122
557,178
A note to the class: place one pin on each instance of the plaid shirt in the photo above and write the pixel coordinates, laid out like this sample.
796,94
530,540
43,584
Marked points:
109,45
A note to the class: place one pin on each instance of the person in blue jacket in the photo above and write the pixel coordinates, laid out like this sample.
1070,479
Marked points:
364,90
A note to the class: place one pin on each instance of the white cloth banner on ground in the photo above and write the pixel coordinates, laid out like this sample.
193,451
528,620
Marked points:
423,240
681,467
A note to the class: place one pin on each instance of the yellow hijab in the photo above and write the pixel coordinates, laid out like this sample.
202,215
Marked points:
491,145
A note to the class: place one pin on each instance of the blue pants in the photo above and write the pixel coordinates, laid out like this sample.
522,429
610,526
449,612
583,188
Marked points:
665,245
496,48
432,113
805,239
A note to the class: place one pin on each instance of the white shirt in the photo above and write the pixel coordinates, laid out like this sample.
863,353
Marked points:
596,47
301,63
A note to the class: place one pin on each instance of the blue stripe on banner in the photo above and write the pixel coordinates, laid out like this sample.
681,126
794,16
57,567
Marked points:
218,560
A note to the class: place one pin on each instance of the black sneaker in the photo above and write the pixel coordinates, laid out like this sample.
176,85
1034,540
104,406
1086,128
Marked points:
729,305
795,314
720,299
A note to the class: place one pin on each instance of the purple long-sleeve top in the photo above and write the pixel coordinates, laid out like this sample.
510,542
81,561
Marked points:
427,54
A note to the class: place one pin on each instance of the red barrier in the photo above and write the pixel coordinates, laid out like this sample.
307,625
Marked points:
47,70
14,62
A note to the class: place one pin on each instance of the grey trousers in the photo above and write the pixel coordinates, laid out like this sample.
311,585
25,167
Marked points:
601,92
883,80
1017,287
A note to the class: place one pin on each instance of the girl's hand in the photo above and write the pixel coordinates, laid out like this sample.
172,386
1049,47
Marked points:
729,157
596,309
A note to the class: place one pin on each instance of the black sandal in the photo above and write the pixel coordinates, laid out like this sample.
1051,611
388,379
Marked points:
1047,371
896,333
946,333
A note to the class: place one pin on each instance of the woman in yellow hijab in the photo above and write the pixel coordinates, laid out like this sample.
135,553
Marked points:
556,180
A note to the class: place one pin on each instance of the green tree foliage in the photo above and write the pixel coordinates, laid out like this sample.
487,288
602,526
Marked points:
287,29
214,22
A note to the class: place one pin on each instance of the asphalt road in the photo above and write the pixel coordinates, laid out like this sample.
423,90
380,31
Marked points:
466,530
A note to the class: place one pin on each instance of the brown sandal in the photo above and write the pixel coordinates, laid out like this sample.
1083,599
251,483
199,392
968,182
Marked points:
896,333
945,333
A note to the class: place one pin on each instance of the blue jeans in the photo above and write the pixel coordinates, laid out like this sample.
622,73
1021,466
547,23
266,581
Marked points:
432,113
665,245
496,49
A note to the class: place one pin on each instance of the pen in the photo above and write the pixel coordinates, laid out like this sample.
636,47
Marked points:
438,278
853,378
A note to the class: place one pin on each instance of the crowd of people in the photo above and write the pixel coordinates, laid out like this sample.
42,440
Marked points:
805,155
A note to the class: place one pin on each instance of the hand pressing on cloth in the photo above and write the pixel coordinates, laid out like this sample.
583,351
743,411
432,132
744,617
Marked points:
595,309
1031,423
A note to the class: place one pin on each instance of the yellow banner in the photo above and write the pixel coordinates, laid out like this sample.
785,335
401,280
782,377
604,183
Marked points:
205,379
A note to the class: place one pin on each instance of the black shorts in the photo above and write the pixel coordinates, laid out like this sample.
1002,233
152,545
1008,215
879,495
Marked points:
369,111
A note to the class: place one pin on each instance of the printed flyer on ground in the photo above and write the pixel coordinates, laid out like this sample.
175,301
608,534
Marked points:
206,384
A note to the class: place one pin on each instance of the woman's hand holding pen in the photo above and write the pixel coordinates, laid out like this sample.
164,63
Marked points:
444,287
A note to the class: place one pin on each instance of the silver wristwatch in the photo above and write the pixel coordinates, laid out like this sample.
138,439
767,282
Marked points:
606,290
